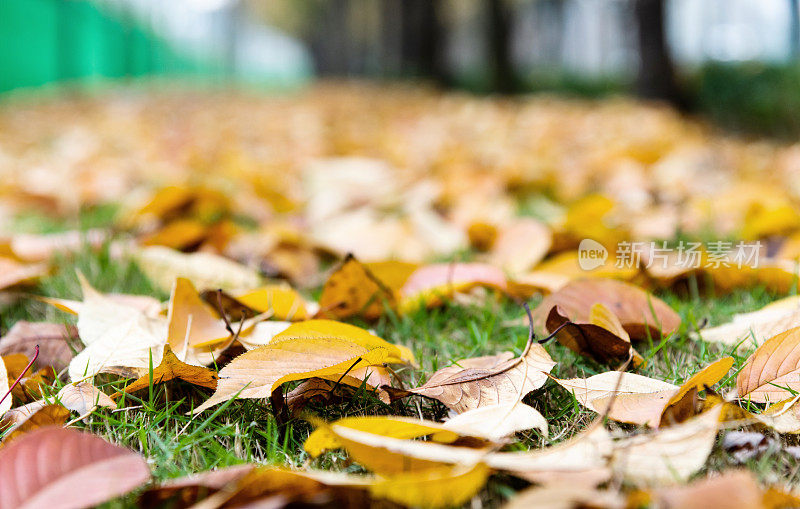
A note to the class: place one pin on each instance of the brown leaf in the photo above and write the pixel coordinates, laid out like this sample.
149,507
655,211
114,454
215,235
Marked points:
171,368
772,372
61,467
352,290
52,338
27,418
491,380
185,491
14,273
640,313
605,344
737,489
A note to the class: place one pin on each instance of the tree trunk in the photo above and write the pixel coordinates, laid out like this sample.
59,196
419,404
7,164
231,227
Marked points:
656,78
423,40
503,79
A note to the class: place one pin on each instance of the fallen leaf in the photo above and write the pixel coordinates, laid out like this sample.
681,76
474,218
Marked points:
667,455
602,337
52,339
770,374
352,290
581,460
35,415
430,284
745,445
305,350
89,470
83,398
753,329
633,398
191,324
14,273
281,302
433,488
324,439
641,314
495,422
565,496
491,380
172,368
5,405
730,490
206,270
116,336
388,456
185,491
520,245
262,333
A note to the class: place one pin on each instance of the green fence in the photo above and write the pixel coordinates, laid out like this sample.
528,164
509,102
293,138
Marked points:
47,41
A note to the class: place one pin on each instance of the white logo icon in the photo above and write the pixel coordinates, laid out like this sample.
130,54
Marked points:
591,254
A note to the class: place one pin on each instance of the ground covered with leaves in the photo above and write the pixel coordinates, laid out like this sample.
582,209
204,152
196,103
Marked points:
362,295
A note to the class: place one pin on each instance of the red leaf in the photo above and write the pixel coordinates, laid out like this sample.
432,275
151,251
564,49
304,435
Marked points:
58,467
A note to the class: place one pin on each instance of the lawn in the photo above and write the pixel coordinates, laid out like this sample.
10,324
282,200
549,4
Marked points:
155,421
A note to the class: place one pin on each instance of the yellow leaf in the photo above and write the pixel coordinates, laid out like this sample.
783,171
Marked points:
282,302
434,488
352,290
322,439
325,329
257,373
192,323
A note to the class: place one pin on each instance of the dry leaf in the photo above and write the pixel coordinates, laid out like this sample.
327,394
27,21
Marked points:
737,489
495,422
565,496
772,372
31,416
172,368
633,398
185,491
192,323
14,273
640,313
602,338
670,454
116,337
280,302
520,245
54,350
352,290
83,398
162,265
585,454
324,439
754,328
430,284
433,488
5,405
305,350
486,381
89,470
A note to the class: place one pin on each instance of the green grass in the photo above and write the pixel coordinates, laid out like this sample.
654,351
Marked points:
156,423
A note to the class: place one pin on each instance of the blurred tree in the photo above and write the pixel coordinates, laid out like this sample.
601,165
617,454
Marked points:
423,40
656,78
503,78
